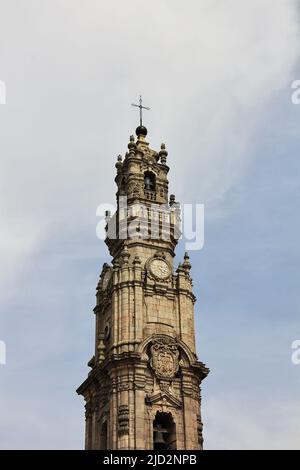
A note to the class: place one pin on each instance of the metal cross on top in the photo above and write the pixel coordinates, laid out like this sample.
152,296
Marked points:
141,109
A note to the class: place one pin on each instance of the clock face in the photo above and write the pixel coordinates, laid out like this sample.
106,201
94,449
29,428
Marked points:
160,268
106,279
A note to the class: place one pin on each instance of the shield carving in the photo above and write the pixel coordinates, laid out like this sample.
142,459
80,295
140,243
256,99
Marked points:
164,357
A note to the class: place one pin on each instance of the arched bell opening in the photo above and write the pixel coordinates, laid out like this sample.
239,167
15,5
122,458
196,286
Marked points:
164,432
149,181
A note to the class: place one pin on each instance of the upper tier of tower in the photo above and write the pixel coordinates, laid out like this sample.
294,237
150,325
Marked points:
145,213
142,175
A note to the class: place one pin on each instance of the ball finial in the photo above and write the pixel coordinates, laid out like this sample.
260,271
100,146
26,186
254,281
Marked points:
141,131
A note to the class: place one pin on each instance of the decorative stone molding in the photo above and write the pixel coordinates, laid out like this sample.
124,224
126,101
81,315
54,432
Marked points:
135,189
123,418
164,385
139,384
123,387
199,430
164,357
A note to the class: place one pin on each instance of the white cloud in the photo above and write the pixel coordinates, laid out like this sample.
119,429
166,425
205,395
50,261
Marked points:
208,71
20,240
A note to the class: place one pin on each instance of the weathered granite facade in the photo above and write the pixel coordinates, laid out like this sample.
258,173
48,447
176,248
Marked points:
143,390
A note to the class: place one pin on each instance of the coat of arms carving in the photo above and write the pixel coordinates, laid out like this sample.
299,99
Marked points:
164,357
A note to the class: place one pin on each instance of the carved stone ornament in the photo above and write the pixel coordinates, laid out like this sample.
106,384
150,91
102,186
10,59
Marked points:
164,357
123,418
106,279
199,430
134,189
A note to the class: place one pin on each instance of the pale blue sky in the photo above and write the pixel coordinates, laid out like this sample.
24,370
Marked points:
217,76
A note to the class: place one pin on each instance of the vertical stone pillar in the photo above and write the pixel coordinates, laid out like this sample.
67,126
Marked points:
148,429
138,300
185,309
139,385
131,413
88,426
190,407
94,429
124,320
115,304
114,415
123,417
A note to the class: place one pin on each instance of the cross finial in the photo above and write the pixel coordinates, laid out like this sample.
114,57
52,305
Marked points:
140,105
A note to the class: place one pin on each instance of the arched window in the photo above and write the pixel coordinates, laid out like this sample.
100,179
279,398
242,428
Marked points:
149,181
164,432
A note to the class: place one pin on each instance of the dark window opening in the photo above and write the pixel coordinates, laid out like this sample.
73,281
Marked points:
149,181
164,432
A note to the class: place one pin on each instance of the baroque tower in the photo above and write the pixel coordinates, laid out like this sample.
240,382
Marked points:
143,390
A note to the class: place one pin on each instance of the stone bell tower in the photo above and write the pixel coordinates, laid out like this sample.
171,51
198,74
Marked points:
143,390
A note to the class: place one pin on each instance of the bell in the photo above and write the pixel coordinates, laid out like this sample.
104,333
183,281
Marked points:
148,183
158,438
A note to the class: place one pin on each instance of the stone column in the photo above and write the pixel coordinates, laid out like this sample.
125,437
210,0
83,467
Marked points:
124,320
115,305
131,420
138,301
88,426
123,415
94,430
114,416
139,386
190,407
